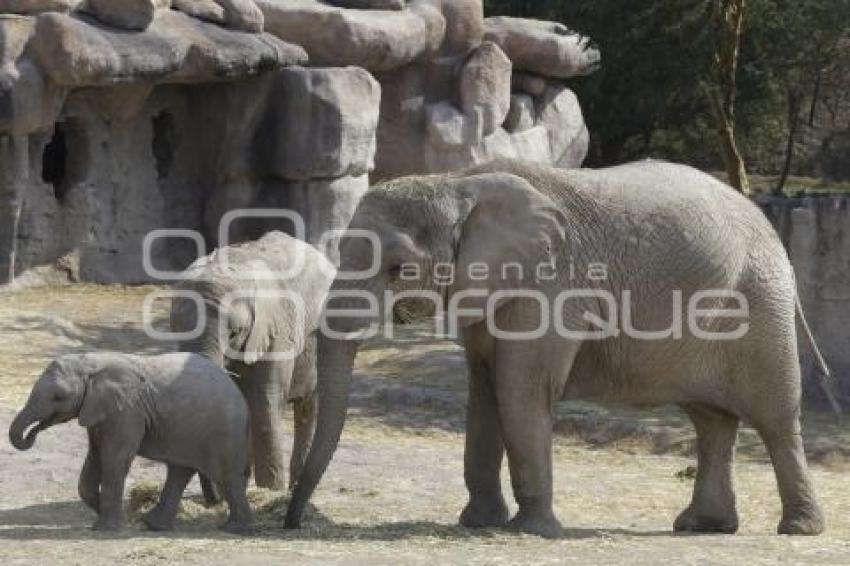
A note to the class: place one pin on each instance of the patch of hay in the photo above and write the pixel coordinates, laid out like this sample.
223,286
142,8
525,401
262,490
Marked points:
144,495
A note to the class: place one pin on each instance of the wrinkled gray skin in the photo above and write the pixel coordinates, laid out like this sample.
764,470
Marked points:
180,409
658,227
254,326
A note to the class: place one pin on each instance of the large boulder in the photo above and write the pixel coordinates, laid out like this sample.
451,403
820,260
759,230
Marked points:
560,113
485,86
546,48
450,128
28,101
207,10
325,205
242,15
521,115
528,83
375,40
328,129
126,14
532,145
174,48
37,6
15,33
464,25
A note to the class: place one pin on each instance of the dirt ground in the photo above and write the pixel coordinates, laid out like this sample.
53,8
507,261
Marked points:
395,487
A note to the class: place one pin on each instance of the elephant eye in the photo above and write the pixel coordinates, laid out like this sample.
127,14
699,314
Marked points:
395,272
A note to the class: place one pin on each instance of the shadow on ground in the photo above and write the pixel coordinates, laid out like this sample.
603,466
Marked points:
70,520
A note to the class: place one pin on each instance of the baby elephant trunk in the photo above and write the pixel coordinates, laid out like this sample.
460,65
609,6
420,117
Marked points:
18,435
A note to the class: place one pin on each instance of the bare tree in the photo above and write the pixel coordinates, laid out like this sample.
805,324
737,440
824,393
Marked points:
729,23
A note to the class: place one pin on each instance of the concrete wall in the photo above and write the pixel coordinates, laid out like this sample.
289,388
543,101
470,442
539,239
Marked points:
816,232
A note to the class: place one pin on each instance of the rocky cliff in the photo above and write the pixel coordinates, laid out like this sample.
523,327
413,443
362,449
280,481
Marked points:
122,117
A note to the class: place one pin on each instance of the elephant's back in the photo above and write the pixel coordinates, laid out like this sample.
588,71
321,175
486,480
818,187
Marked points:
650,193
199,379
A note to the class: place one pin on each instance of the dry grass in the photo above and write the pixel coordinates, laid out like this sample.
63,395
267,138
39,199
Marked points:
395,487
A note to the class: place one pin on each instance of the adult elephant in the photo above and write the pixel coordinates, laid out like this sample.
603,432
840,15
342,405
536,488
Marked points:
261,303
626,244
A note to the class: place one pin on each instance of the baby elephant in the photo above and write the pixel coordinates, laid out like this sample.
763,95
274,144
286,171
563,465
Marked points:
180,409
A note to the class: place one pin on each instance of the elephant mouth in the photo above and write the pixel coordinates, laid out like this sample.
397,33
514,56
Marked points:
38,426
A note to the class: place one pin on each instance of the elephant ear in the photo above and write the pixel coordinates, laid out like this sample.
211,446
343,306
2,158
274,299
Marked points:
512,229
109,391
268,314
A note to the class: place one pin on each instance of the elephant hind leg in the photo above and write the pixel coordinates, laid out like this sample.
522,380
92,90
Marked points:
772,406
240,519
210,490
712,507
161,517
801,513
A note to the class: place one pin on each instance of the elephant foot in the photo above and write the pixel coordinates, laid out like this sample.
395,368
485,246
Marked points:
240,528
543,525
692,520
156,522
93,502
803,522
480,513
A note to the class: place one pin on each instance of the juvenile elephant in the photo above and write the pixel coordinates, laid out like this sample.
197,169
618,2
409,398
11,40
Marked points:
180,409
261,303
590,267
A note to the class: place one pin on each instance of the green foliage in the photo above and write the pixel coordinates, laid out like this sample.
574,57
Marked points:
649,98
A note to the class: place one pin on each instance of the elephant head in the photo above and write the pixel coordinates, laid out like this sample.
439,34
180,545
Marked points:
424,227
74,386
240,308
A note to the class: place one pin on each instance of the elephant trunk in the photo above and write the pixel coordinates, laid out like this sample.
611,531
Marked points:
18,435
208,344
335,364
184,318
211,348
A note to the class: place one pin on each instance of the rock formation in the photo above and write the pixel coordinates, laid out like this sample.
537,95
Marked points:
122,117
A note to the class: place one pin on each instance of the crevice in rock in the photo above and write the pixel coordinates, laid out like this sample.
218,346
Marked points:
65,159
164,142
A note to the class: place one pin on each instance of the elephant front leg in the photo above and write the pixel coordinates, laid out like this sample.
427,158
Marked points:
712,508
264,388
484,452
116,455
527,429
89,484
305,427
528,376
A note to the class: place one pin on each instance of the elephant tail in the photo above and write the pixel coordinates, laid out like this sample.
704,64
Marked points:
824,375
